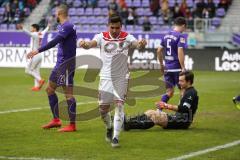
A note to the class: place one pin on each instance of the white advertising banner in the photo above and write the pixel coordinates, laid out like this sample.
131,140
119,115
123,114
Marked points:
16,56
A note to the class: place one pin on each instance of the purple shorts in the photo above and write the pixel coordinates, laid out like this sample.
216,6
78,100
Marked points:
62,76
171,79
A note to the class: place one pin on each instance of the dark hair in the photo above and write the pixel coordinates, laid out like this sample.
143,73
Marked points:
179,21
114,19
189,76
63,8
36,26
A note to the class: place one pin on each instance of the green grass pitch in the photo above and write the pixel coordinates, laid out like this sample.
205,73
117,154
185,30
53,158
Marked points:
216,123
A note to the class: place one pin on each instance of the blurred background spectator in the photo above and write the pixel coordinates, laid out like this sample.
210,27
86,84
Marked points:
146,24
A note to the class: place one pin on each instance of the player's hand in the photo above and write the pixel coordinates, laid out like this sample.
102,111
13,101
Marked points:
142,43
31,54
20,26
161,105
84,44
183,69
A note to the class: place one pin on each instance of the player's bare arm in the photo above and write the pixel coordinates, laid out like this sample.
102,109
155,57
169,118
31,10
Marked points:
181,58
160,58
88,44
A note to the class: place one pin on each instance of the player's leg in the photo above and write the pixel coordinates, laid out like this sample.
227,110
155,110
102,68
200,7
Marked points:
36,82
170,83
141,121
146,120
33,69
158,118
36,70
28,70
105,99
53,102
104,110
117,122
120,91
71,101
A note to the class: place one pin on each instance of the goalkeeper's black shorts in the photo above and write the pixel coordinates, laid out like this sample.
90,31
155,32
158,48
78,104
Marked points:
177,122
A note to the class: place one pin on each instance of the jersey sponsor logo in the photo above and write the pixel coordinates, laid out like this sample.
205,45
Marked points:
115,47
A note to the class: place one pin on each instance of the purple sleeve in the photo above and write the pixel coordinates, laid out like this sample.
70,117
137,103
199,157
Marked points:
65,31
182,42
51,44
162,42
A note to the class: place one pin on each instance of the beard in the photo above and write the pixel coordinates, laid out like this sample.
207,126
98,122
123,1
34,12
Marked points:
58,20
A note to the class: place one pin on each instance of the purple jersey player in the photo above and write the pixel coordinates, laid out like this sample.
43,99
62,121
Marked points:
63,72
172,51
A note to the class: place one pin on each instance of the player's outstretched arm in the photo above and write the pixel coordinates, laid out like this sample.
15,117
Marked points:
139,44
49,45
160,58
181,58
46,29
88,44
32,34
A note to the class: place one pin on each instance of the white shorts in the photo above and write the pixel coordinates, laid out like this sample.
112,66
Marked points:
110,91
34,63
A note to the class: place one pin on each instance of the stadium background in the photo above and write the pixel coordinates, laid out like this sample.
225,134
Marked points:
213,38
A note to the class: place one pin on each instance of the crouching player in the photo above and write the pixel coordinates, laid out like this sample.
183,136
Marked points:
185,111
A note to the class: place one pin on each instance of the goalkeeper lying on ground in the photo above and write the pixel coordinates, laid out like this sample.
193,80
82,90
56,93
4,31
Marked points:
183,117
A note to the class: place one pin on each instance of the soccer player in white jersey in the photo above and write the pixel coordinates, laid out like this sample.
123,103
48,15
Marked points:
114,74
33,66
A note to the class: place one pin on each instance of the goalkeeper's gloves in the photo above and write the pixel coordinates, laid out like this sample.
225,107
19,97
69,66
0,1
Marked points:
161,105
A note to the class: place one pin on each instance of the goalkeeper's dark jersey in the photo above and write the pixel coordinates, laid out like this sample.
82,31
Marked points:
188,103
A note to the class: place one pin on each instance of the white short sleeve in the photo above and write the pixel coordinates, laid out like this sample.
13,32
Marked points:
98,38
130,38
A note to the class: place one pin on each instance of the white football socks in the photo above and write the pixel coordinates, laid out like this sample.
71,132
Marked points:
118,120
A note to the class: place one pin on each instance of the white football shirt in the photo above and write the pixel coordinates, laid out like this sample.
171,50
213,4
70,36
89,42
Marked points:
36,38
114,54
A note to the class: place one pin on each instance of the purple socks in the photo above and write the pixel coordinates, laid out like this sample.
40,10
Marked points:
53,102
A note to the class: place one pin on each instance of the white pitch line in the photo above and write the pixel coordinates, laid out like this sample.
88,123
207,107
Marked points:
216,148
39,108
28,158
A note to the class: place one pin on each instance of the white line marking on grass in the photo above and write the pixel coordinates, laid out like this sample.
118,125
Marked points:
28,158
194,154
39,108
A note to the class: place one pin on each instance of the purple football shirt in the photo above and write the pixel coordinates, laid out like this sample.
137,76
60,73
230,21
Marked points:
171,42
66,48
